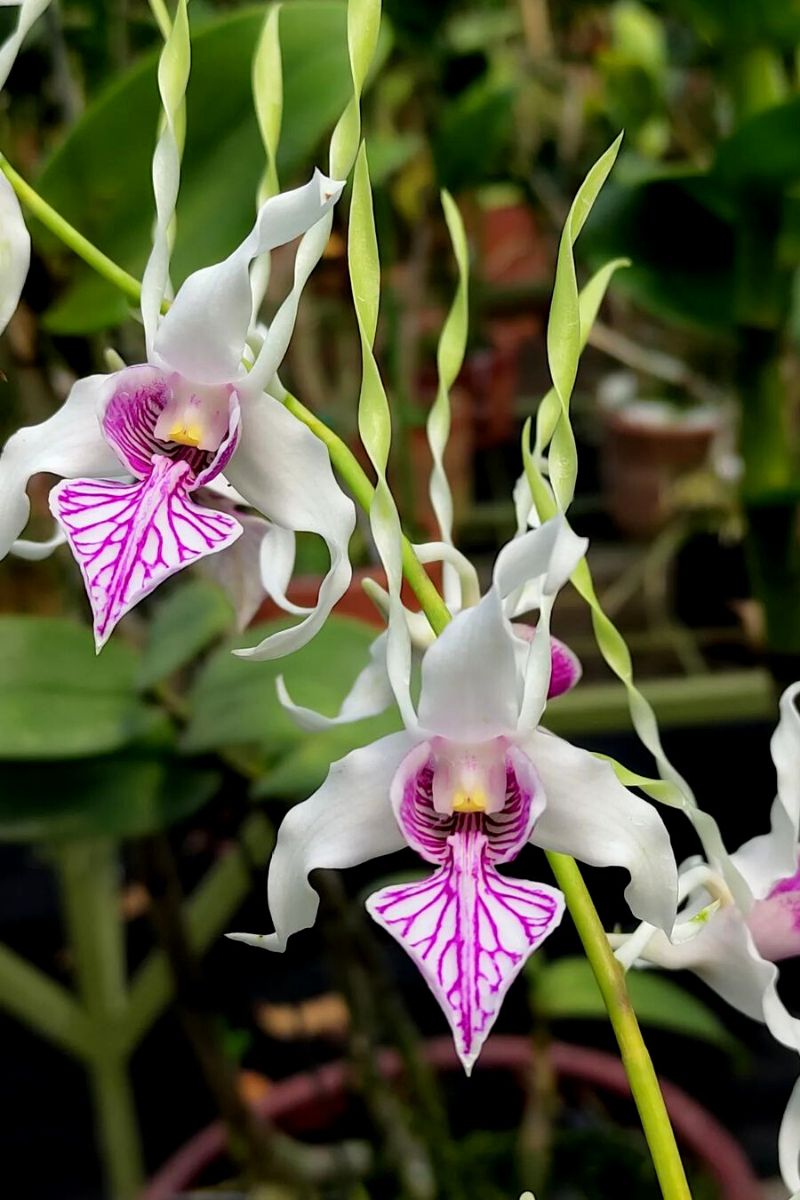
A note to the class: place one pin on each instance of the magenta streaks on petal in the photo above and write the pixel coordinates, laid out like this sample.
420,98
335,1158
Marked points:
775,921
565,666
129,538
427,831
468,929
141,397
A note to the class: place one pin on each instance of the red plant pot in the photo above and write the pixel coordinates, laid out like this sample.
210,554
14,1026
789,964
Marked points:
308,1101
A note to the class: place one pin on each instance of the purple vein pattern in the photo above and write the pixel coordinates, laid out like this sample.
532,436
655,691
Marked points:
468,928
129,537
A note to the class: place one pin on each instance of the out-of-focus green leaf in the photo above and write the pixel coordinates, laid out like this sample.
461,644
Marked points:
680,241
185,623
472,142
300,771
60,700
744,24
234,702
764,152
119,796
567,989
99,177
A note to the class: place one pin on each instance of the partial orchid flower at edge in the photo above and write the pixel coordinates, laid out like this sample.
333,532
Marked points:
467,784
733,951
175,424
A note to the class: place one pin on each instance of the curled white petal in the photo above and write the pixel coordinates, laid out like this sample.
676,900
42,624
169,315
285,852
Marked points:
15,252
789,1143
70,444
590,815
284,471
370,694
467,590
770,857
36,551
347,821
29,11
203,334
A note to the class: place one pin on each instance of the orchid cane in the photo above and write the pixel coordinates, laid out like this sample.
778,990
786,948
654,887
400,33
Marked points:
467,785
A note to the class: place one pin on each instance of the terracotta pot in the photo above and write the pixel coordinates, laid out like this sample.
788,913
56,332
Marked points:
640,462
308,1102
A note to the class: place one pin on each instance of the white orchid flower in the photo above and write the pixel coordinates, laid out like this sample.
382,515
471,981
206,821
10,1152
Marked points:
372,692
734,951
175,424
467,784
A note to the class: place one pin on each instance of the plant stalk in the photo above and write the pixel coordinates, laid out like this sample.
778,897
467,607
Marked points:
633,1051
610,978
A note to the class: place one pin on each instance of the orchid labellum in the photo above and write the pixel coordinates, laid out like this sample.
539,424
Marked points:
467,785
145,451
735,951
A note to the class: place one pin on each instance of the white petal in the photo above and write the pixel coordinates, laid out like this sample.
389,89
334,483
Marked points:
789,1142
770,857
237,569
724,956
349,820
551,552
283,470
36,551
29,11
590,815
370,694
203,334
70,443
469,676
276,564
15,252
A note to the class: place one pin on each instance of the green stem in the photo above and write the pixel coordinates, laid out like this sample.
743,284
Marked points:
89,885
635,1057
70,236
609,976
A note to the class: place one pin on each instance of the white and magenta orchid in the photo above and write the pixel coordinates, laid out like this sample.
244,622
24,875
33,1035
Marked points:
468,783
734,951
139,449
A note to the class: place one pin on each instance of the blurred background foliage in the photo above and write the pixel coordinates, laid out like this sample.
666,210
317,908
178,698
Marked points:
140,789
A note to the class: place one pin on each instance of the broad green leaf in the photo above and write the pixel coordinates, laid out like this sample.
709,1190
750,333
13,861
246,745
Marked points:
184,624
301,771
234,702
119,796
764,151
567,989
680,240
58,699
108,194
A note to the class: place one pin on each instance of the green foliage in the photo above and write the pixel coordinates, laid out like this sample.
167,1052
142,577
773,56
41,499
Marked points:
185,623
107,193
567,989
58,700
121,796
234,703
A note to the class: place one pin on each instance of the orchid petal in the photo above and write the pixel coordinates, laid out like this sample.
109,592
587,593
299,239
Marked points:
469,676
774,922
591,816
128,538
347,821
284,471
771,857
470,931
724,956
370,694
789,1143
237,568
15,252
550,552
70,443
29,11
203,334
36,551
565,666
276,564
